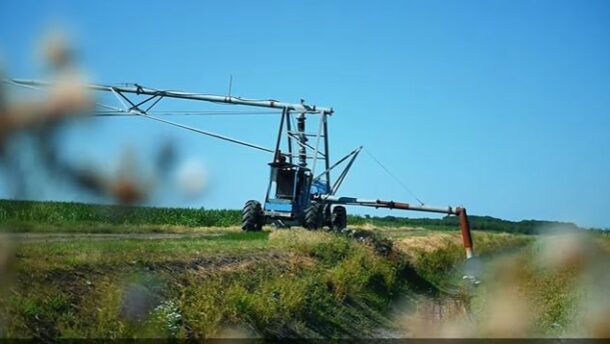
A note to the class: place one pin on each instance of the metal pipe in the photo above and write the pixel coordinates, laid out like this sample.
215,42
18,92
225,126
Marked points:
344,173
326,155
407,206
302,140
389,205
288,129
317,146
459,211
305,145
304,108
355,151
277,156
306,134
465,229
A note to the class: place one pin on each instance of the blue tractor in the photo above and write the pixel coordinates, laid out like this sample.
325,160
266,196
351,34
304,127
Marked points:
295,195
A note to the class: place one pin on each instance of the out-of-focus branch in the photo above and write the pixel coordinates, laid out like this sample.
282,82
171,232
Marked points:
67,98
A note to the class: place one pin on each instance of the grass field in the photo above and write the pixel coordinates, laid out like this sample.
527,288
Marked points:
34,216
122,280
271,284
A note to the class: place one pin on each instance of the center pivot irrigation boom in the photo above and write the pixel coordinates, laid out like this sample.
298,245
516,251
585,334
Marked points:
296,195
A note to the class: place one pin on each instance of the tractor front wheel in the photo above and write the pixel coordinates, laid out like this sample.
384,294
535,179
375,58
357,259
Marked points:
252,217
313,217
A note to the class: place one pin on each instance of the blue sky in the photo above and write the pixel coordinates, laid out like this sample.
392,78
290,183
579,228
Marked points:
500,106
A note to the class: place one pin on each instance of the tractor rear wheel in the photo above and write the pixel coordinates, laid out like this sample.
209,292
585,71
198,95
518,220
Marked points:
327,216
339,218
313,217
252,218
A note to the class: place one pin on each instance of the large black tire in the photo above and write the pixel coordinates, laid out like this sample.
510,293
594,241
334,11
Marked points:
252,217
313,217
339,218
327,216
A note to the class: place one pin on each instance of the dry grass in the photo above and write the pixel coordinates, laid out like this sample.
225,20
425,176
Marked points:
287,283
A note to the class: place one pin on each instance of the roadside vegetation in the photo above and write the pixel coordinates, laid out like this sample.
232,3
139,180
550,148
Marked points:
284,283
137,278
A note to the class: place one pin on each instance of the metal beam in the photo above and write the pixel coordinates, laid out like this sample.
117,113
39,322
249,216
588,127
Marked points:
317,147
390,205
288,128
339,180
139,90
279,135
355,151
326,155
459,211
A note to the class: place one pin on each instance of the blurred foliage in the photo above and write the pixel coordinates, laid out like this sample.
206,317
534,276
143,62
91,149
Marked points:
438,265
560,286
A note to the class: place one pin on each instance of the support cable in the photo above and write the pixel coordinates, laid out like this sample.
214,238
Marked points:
393,176
207,133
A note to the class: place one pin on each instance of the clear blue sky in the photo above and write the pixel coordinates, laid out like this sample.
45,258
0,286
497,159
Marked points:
501,106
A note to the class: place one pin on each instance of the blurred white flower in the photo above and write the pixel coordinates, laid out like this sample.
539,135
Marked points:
191,177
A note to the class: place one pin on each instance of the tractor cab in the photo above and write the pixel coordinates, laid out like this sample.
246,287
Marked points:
289,189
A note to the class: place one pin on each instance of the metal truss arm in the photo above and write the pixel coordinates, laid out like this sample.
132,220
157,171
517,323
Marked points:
140,90
350,154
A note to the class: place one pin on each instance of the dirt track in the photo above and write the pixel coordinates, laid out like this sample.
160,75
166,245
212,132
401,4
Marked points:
38,237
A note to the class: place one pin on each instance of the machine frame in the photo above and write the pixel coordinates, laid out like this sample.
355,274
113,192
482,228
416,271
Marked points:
295,195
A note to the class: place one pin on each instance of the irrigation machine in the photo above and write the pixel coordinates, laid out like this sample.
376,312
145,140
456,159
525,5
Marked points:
299,191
